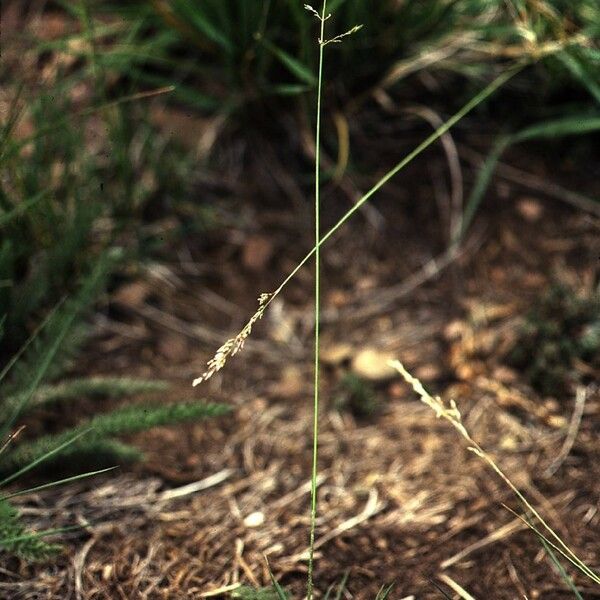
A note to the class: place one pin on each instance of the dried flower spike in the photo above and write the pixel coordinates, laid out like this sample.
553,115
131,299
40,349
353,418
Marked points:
233,345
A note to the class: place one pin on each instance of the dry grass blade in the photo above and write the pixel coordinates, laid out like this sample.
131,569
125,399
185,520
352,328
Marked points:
457,588
499,534
453,416
580,398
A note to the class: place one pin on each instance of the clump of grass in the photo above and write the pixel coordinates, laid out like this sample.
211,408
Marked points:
80,174
240,58
562,328
14,536
78,178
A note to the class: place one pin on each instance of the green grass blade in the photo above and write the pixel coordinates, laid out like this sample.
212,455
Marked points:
561,570
580,71
196,15
571,125
39,534
15,539
559,546
294,66
12,116
341,587
281,595
109,387
52,484
45,455
481,184
286,89
384,592
22,207
11,363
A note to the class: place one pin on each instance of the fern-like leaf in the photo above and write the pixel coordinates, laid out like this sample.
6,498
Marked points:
15,539
129,419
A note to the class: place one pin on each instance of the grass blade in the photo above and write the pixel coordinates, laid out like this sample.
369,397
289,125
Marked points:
45,486
572,125
384,591
43,456
21,208
278,589
294,66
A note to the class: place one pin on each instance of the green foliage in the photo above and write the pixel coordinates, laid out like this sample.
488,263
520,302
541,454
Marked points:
78,176
247,593
15,539
571,125
74,389
88,444
279,591
340,588
239,55
62,335
44,354
126,420
384,591
358,396
562,328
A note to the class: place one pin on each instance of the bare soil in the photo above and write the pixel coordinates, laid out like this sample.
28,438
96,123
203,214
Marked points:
400,496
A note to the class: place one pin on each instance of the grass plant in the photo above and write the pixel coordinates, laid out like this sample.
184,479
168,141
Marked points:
550,539
52,189
78,178
88,444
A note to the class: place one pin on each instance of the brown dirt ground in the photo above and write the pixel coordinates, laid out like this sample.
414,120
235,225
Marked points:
400,497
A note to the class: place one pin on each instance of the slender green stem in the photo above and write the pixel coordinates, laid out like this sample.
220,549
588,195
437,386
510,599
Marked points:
453,120
313,490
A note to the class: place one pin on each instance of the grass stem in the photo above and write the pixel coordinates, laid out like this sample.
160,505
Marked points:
313,486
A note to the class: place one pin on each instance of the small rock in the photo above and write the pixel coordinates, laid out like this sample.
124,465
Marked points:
557,421
372,364
336,354
505,374
337,298
454,330
290,384
509,442
428,373
397,390
255,519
